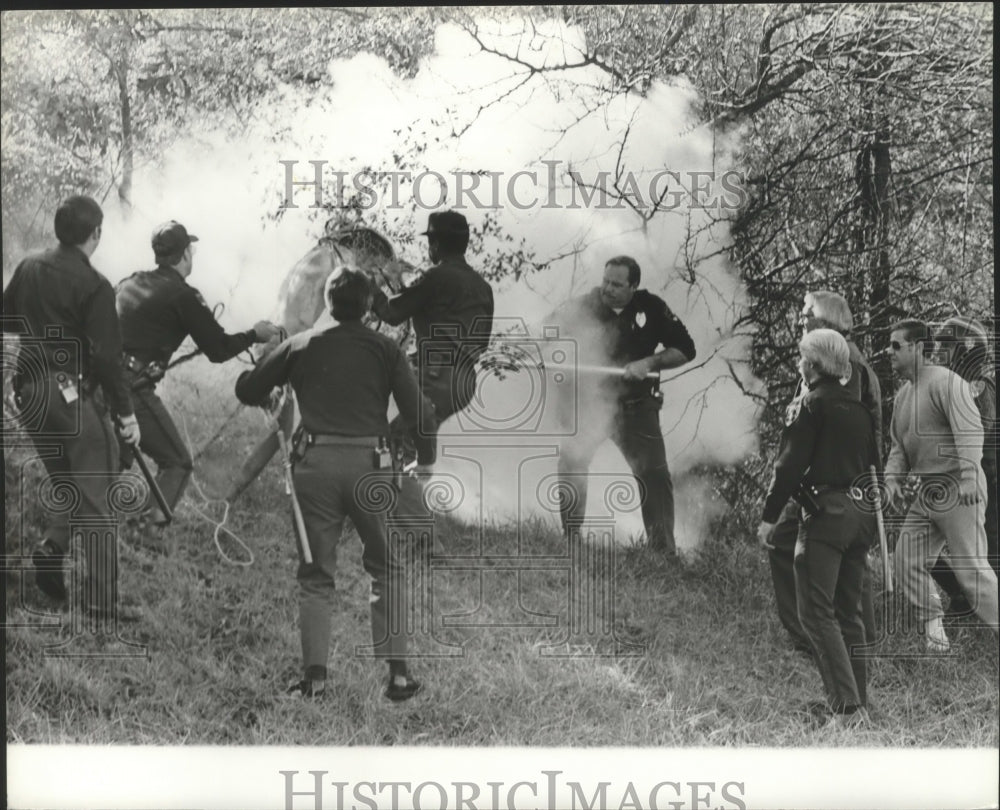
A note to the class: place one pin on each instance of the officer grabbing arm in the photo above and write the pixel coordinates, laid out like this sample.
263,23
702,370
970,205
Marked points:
451,307
158,309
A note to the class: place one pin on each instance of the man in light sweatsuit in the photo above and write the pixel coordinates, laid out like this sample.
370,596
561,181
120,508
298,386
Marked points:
937,435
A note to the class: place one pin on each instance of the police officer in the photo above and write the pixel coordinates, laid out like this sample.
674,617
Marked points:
158,309
827,449
342,377
822,309
620,323
451,306
965,344
63,301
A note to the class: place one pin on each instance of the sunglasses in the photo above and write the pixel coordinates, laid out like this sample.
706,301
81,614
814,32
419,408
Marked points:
895,345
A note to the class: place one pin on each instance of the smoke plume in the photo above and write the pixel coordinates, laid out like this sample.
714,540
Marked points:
475,114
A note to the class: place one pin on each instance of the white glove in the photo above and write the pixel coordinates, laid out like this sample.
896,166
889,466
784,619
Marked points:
265,331
128,427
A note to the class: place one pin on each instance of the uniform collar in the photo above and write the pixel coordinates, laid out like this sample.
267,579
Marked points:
823,382
73,250
455,261
170,272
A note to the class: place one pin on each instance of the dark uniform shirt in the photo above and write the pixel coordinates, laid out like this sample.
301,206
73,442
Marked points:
643,325
342,377
830,442
60,289
158,309
451,303
863,385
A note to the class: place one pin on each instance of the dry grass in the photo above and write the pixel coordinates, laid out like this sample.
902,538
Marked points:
221,641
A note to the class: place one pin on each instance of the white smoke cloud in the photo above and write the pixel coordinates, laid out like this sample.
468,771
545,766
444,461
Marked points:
509,122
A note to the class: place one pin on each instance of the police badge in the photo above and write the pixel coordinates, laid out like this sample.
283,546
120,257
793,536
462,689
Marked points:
640,319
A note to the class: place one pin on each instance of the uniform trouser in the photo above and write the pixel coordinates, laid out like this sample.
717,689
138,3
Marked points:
327,483
782,558
162,443
80,452
922,537
942,570
448,393
636,432
829,574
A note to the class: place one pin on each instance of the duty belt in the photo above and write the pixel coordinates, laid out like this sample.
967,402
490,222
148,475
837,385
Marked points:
855,493
145,372
333,439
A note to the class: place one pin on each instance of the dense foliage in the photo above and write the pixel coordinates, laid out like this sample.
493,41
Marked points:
865,131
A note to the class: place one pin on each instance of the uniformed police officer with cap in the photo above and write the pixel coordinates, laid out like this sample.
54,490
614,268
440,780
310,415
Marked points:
827,448
158,309
63,300
625,325
963,344
342,377
452,310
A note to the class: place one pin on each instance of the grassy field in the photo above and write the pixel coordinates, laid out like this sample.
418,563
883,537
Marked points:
702,659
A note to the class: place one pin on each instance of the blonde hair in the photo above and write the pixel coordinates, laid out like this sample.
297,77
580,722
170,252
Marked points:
827,350
832,308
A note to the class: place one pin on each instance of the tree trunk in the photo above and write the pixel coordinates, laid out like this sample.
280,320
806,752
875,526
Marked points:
874,178
125,104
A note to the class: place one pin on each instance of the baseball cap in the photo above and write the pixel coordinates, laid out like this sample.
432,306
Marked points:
171,237
446,222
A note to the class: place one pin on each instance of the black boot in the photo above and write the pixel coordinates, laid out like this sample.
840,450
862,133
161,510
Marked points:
48,562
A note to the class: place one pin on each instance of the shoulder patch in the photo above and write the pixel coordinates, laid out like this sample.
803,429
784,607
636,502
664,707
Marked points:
198,297
978,387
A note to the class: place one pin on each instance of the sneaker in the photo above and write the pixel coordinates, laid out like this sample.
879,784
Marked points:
306,689
399,689
48,563
937,639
